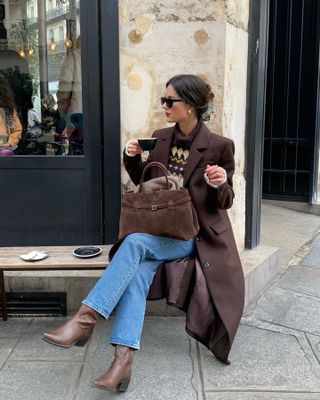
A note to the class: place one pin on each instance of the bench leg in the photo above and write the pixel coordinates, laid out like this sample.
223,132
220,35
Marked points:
3,297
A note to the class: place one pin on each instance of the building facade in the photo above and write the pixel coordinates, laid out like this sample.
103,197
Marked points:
64,181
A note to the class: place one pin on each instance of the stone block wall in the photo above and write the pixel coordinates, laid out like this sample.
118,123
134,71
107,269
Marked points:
162,38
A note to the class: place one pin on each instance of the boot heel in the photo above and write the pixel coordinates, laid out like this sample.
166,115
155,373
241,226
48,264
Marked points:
123,385
81,343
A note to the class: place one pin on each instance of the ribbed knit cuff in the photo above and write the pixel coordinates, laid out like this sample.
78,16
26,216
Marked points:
126,150
214,185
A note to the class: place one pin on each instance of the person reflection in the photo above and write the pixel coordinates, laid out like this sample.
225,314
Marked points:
10,126
33,116
69,97
49,112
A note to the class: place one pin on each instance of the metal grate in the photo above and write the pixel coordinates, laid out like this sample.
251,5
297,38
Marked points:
37,303
290,102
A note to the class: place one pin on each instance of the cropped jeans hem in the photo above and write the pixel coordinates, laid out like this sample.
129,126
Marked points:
95,308
124,342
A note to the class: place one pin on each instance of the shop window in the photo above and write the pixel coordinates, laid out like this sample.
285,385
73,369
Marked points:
40,67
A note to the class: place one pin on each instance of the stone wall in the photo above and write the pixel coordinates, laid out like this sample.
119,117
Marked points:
161,38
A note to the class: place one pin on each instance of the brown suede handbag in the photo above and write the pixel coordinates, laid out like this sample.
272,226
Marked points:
158,207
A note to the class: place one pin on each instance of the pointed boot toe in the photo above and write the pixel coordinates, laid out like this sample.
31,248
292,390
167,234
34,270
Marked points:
61,341
76,331
51,338
117,377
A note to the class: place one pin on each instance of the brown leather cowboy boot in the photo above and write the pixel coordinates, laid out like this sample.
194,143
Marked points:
117,377
76,331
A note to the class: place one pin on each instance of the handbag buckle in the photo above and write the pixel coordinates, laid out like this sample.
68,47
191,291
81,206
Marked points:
153,207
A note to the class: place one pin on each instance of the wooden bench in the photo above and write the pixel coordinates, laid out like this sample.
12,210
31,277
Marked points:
60,258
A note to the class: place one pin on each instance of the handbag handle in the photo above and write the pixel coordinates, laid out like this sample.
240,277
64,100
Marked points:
155,164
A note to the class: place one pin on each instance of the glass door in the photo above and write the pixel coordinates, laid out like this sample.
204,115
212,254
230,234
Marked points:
50,123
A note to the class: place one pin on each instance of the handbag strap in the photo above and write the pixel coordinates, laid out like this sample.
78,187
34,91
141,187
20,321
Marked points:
158,165
170,204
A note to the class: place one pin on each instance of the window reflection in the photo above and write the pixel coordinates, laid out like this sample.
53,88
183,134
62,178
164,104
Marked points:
40,62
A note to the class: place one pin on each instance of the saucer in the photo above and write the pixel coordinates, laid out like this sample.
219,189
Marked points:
86,251
34,256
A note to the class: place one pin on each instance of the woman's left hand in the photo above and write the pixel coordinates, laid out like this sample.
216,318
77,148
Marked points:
216,175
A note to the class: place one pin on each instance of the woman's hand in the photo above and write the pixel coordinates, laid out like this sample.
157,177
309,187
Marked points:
133,147
216,175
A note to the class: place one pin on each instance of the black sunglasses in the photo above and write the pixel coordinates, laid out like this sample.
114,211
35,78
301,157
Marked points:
169,102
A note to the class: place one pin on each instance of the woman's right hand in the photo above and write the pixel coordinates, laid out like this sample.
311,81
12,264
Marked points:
133,147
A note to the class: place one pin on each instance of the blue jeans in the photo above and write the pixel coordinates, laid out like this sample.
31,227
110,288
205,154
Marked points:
125,283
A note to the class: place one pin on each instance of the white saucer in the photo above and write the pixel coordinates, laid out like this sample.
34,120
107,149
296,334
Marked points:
34,256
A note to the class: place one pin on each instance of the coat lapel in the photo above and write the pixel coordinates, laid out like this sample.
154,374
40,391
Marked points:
199,144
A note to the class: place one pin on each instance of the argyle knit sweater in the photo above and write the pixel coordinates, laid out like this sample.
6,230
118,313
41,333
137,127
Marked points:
179,151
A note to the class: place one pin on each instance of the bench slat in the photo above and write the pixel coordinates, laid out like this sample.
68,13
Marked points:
60,258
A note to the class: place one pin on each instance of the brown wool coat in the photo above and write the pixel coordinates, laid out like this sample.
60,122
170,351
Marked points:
215,295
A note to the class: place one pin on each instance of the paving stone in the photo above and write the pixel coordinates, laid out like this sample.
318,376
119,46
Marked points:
13,328
315,344
316,241
262,396
39,380
261,360
286,229
312,260
302,280
6,348
32,347
162,369
286,308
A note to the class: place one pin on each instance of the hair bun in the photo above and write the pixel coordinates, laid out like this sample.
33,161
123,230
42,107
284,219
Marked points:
210,94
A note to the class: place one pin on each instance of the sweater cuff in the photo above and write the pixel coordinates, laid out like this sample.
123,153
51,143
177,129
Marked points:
214,185
126,150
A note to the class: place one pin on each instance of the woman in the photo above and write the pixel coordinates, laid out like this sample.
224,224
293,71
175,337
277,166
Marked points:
10,126
204,163
33,116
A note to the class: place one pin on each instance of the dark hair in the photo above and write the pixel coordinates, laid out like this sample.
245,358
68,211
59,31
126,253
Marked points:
193,90
6,95
29,103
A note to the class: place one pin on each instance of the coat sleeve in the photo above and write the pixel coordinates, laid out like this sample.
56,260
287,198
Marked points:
134,165
223,195
15,134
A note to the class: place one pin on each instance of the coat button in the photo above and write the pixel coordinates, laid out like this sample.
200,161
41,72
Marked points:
206,265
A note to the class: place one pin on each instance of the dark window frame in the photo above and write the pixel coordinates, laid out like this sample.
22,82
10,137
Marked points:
256,94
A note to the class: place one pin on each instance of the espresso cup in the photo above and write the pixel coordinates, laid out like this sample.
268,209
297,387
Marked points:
147,144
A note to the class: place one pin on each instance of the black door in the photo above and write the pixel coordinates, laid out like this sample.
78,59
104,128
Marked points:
291,101
52,187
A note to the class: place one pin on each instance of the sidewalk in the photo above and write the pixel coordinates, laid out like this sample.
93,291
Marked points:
276,354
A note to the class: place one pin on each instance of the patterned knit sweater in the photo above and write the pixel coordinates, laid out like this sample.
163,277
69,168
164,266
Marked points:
179,151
